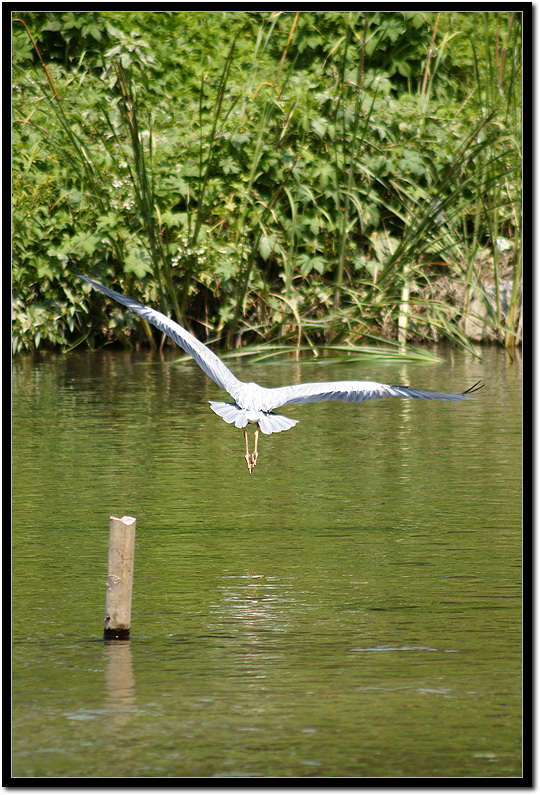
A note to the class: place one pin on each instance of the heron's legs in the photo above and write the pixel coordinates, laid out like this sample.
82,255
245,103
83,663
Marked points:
247,456
255,455
251,459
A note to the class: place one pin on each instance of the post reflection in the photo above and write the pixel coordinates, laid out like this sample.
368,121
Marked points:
119,679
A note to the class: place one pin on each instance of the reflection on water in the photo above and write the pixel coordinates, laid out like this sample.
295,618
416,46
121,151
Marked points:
350,610
119,679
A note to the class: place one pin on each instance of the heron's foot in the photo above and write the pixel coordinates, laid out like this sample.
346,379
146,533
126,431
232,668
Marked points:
251,458
250,462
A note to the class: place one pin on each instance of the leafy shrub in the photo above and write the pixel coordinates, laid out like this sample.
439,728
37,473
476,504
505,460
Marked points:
262,174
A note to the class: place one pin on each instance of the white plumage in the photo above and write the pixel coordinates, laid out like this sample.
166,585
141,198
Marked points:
254,403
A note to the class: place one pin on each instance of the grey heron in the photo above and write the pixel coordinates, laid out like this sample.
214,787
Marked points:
254,404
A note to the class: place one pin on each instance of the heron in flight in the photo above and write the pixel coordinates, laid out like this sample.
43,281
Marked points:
253,403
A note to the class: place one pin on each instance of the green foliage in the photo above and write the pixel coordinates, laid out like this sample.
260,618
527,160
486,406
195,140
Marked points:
293,177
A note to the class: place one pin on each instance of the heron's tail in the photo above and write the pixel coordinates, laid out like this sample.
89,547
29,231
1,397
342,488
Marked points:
268,422
274,423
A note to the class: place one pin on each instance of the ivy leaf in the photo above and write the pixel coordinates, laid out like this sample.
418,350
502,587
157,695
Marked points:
229,166
138,262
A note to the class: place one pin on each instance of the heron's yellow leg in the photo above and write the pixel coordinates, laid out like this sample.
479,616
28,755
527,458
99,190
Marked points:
247,456
251,460
255,455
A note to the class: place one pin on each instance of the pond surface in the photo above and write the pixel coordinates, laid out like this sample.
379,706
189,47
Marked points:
353,609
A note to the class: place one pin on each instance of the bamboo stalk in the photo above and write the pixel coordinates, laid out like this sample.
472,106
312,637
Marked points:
403,317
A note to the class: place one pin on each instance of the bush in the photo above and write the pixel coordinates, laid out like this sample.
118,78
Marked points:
285,176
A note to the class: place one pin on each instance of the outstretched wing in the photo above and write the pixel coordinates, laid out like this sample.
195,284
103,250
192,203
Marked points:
353,392
205,358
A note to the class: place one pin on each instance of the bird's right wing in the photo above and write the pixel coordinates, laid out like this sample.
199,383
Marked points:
353,391
205,358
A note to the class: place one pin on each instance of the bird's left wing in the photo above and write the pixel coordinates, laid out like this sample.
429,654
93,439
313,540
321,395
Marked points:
205,358
353,392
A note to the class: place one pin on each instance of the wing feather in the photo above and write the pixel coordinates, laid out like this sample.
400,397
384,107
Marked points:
353,392
205,358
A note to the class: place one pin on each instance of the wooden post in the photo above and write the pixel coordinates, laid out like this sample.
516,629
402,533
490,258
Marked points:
119,577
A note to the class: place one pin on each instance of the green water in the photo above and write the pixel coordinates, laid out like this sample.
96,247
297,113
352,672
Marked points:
352,609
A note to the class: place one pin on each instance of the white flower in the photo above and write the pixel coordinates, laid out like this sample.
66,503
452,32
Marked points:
503,244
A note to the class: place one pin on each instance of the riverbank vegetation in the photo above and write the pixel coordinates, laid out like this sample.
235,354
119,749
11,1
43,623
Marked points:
268,178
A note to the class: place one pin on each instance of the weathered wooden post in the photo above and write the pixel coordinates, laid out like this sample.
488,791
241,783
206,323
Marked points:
119,577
